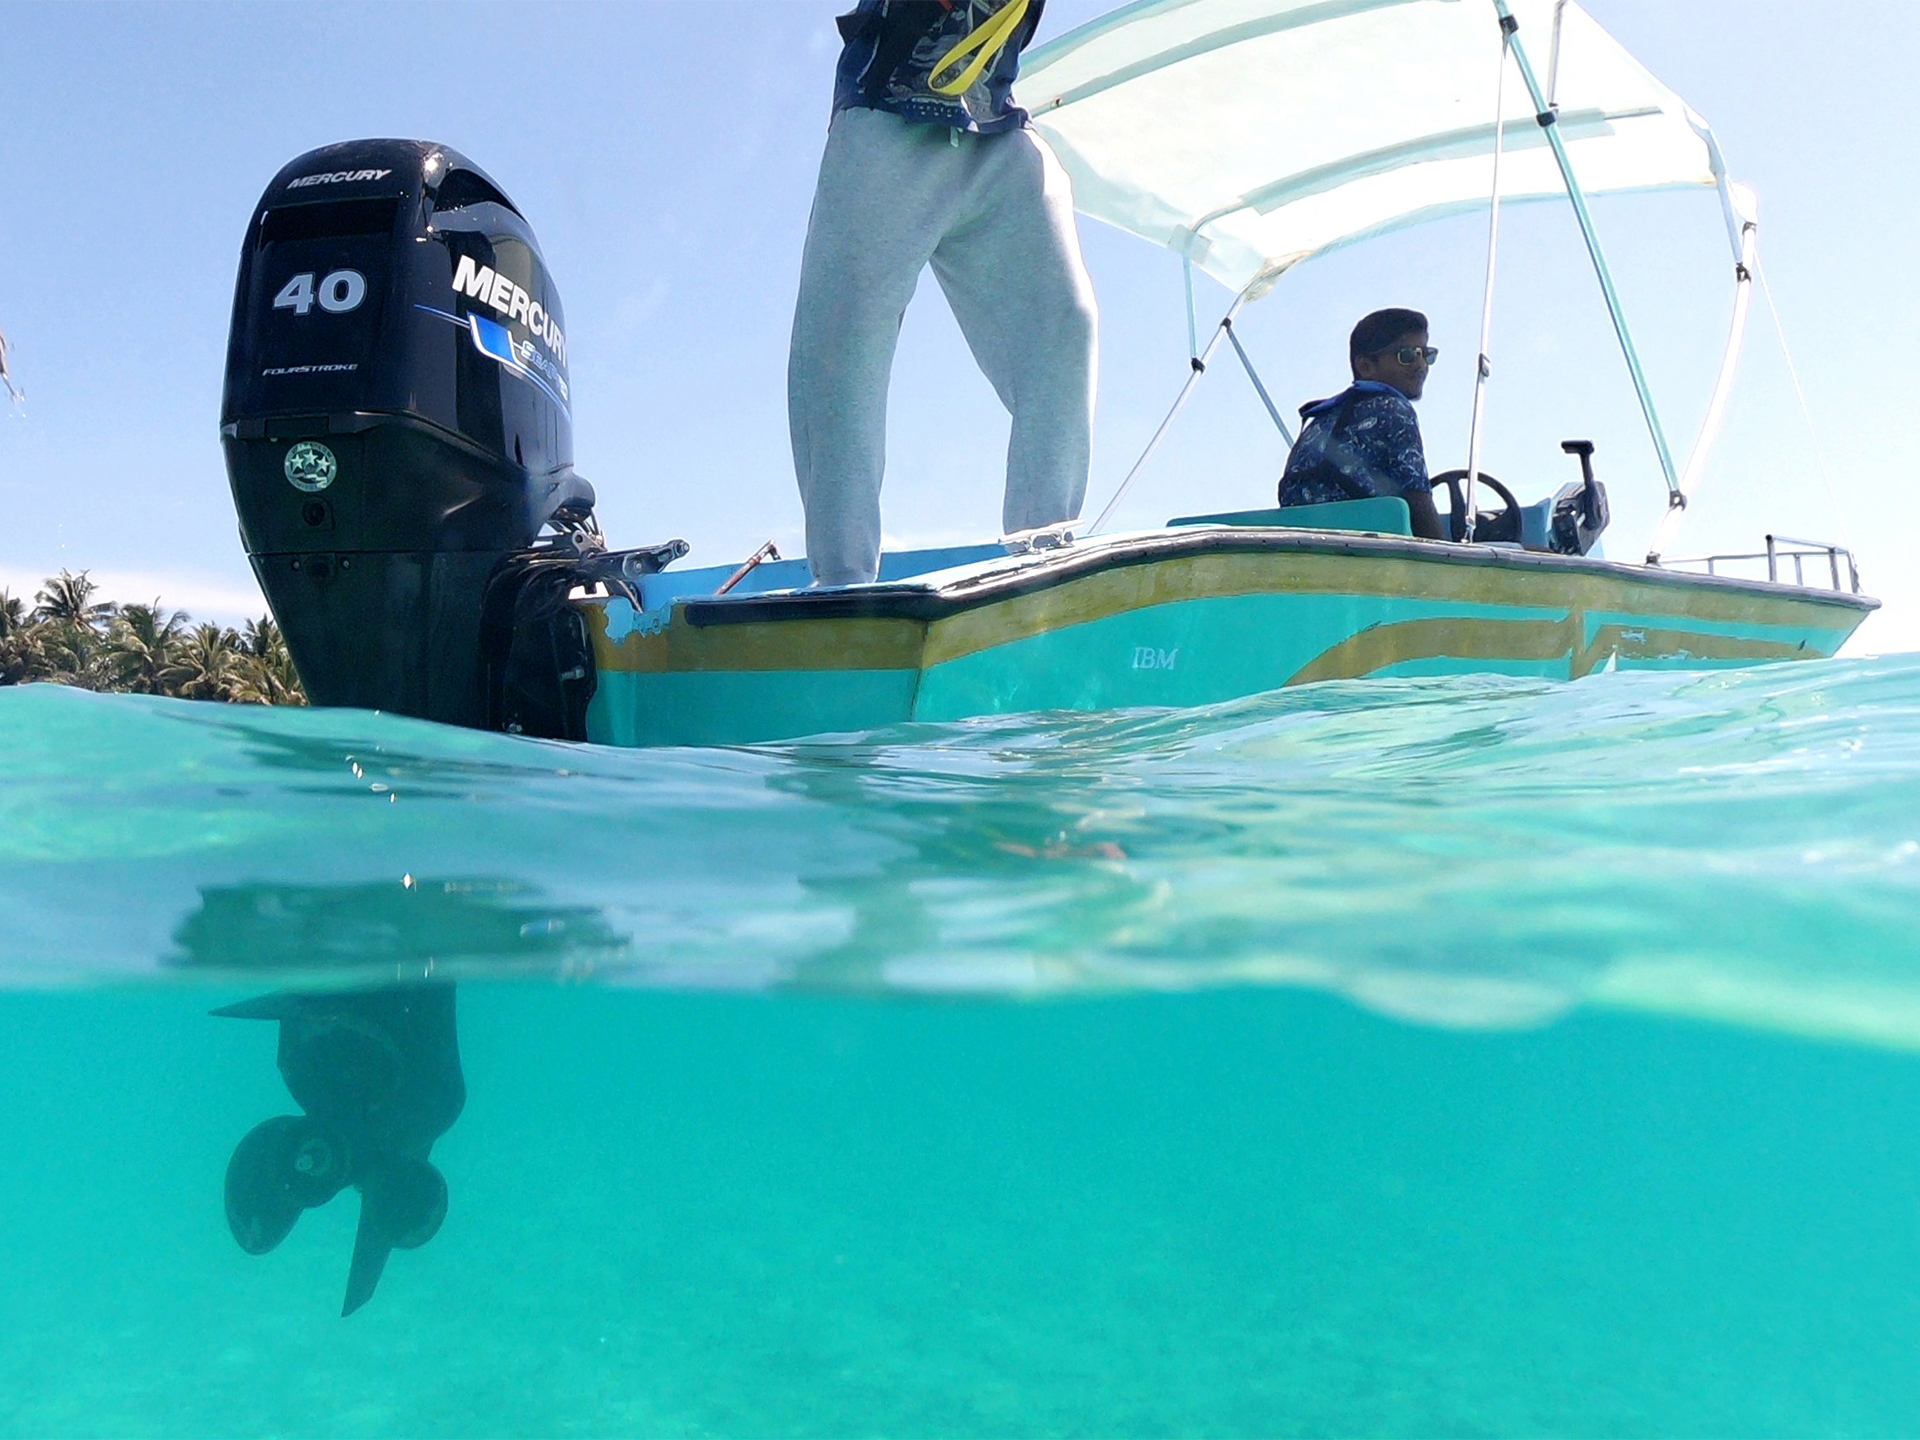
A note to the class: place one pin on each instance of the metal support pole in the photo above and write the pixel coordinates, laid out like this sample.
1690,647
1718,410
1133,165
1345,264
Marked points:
1553,57
1485,369
1246,360
1730,358
1547,121
1193,327
1199,368
1743,272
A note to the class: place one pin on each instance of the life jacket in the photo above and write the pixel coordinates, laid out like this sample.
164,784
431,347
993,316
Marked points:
1337,464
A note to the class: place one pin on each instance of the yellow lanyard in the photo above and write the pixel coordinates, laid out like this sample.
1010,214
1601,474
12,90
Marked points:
989,40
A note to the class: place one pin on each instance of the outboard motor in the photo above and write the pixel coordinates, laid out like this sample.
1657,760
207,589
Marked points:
1580,511
398,428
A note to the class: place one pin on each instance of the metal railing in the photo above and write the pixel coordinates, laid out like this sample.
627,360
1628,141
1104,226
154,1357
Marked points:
1783,549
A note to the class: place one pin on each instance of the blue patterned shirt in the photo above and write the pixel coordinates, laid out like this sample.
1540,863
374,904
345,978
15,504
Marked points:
1362,442
895,47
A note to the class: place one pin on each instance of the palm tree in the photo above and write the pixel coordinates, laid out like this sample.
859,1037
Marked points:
65,627
261,637
142,643
19,654
67,654
72,637
206,666
266,673
68,598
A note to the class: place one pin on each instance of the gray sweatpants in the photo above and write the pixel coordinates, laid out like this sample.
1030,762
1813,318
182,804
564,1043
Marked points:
993,215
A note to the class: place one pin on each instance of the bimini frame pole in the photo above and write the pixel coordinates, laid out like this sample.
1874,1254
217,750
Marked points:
1198,365
1484,370
1743,216
1553,56
1548,123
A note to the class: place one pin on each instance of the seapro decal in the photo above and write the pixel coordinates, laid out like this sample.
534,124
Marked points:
338,177
480,282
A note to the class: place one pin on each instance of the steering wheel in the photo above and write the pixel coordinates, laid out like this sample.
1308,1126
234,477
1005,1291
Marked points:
1488,524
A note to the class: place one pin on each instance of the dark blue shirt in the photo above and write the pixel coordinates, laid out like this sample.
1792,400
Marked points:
1362,442
897,49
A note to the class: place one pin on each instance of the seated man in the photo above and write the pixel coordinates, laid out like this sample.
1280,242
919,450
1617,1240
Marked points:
1365,441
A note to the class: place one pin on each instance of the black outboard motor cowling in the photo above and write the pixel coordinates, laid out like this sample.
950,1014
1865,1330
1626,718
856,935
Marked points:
397,420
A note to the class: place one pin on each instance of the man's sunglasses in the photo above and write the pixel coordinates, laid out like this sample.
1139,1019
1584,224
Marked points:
1407,354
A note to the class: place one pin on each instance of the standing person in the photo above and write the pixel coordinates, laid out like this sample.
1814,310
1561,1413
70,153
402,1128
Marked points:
929,161
1365,441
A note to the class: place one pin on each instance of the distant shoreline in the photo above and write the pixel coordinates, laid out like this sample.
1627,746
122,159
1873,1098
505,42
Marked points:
68,634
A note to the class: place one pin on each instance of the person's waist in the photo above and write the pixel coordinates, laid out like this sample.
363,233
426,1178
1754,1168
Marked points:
935,110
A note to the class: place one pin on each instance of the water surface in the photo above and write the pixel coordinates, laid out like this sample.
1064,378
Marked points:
1457,1056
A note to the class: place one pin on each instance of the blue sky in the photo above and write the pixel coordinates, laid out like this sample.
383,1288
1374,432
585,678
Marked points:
665,154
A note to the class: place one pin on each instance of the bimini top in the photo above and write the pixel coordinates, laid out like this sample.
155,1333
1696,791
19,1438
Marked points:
1249,135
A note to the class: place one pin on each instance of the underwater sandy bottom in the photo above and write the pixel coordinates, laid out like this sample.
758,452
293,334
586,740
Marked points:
1231,1213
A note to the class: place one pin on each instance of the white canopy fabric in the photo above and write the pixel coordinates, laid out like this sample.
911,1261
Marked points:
1249,135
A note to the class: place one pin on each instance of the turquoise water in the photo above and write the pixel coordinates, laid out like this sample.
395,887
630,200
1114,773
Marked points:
1461,1056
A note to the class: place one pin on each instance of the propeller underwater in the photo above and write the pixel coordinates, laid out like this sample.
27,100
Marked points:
378,1073
402,1202
281,1167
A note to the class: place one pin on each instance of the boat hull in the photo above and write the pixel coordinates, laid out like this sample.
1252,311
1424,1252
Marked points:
1178,618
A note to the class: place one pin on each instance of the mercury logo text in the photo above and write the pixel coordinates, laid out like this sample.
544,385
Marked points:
479,282
337,177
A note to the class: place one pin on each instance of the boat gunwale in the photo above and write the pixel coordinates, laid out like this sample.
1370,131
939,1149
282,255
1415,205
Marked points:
921,602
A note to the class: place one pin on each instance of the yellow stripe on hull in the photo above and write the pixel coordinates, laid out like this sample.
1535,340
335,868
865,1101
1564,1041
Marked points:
1216,616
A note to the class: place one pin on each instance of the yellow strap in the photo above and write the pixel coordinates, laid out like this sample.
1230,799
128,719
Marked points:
989,39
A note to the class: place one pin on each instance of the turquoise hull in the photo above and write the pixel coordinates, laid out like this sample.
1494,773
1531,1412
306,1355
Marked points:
1187,616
